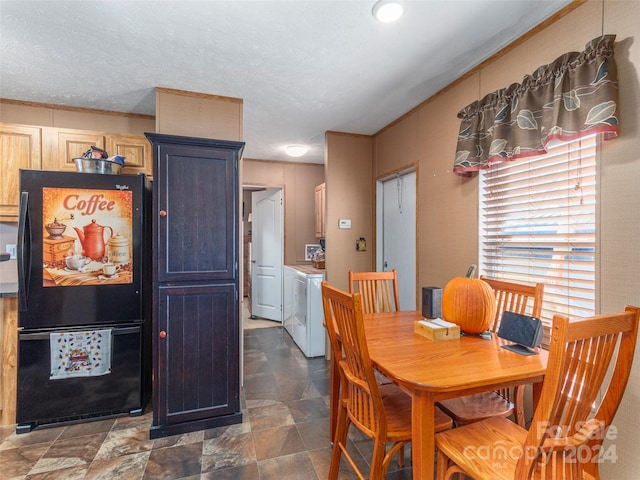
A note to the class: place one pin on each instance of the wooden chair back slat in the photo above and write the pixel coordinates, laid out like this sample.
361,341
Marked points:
515,297
379,290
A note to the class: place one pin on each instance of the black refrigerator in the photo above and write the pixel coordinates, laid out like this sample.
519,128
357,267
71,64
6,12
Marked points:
83,292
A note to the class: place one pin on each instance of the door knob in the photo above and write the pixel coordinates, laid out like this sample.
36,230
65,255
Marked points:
162,334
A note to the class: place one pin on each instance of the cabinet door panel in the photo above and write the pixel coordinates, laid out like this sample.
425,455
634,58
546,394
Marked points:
198,357
197,234
135,148
61,146
19,148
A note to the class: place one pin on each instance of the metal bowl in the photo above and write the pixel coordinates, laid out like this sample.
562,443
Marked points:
96,165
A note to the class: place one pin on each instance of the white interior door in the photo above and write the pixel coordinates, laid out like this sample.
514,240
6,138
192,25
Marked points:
397,230
267,254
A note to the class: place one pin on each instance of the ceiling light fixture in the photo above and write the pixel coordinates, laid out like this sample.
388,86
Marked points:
295,150
387,11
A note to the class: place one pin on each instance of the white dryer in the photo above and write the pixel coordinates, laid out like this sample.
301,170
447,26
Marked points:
303,314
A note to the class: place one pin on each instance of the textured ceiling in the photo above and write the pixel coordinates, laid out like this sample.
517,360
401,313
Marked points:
301,67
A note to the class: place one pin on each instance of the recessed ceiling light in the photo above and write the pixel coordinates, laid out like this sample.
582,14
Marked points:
387,11
295,150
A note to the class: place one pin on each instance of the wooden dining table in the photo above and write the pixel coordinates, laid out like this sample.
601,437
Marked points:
430,371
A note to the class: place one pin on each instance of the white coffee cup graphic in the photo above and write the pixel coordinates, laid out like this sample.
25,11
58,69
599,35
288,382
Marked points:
76,262
110,269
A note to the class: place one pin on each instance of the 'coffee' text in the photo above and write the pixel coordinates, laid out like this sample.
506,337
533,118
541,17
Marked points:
88,207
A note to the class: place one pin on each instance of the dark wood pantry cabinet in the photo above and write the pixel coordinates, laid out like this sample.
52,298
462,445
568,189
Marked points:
196,353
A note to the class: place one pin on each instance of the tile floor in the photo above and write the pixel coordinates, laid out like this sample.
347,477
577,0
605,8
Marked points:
284,434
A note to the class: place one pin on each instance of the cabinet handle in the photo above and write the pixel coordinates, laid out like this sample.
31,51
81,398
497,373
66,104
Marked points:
162,334
163,213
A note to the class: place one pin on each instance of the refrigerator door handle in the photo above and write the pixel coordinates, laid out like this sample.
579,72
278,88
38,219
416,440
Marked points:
23,250
45,335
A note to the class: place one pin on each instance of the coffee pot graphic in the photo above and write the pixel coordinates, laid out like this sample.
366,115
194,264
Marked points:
92,239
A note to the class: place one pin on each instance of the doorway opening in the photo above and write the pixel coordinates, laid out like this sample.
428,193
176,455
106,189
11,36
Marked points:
263,252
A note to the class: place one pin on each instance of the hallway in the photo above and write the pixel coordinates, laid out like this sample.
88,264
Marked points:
284,434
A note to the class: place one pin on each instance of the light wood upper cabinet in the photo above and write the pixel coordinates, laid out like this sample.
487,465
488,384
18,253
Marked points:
52,148
320,202
19,148
61,145
137,150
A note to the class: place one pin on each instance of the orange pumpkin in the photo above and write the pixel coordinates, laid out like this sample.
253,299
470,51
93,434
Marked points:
469,303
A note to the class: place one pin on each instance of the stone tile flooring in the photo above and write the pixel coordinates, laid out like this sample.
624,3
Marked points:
284,434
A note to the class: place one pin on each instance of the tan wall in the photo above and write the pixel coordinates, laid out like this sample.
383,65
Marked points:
350,195
52,116
446,248
198,114
448,205
298,181
396,147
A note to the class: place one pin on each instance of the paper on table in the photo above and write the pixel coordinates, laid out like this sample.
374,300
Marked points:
437,323
443,323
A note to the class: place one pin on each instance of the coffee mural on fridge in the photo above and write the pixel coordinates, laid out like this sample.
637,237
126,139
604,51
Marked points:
87,236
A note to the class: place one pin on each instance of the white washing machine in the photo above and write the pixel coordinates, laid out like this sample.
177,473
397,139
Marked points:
303,314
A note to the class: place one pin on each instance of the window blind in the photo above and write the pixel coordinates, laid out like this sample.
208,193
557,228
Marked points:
538,224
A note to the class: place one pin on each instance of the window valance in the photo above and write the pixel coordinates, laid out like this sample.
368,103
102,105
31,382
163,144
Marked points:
575,95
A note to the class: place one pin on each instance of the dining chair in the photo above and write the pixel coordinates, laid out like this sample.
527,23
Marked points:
513,297
565,437
382,412
379,290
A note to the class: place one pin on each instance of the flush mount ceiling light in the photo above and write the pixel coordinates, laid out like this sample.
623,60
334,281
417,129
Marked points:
387,11
295,150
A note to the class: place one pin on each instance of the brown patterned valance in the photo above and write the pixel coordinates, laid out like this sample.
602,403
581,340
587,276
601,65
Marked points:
576,95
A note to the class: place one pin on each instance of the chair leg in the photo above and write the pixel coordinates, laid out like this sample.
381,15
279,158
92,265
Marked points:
518,405
334,396
378,466
401,457
339,441
445,469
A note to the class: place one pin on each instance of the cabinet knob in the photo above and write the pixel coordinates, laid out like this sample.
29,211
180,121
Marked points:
162,334
163,213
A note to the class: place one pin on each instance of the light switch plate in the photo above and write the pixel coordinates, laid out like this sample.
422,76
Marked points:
11,250
344,223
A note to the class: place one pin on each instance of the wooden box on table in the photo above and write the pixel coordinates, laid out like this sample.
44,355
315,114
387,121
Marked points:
437,329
